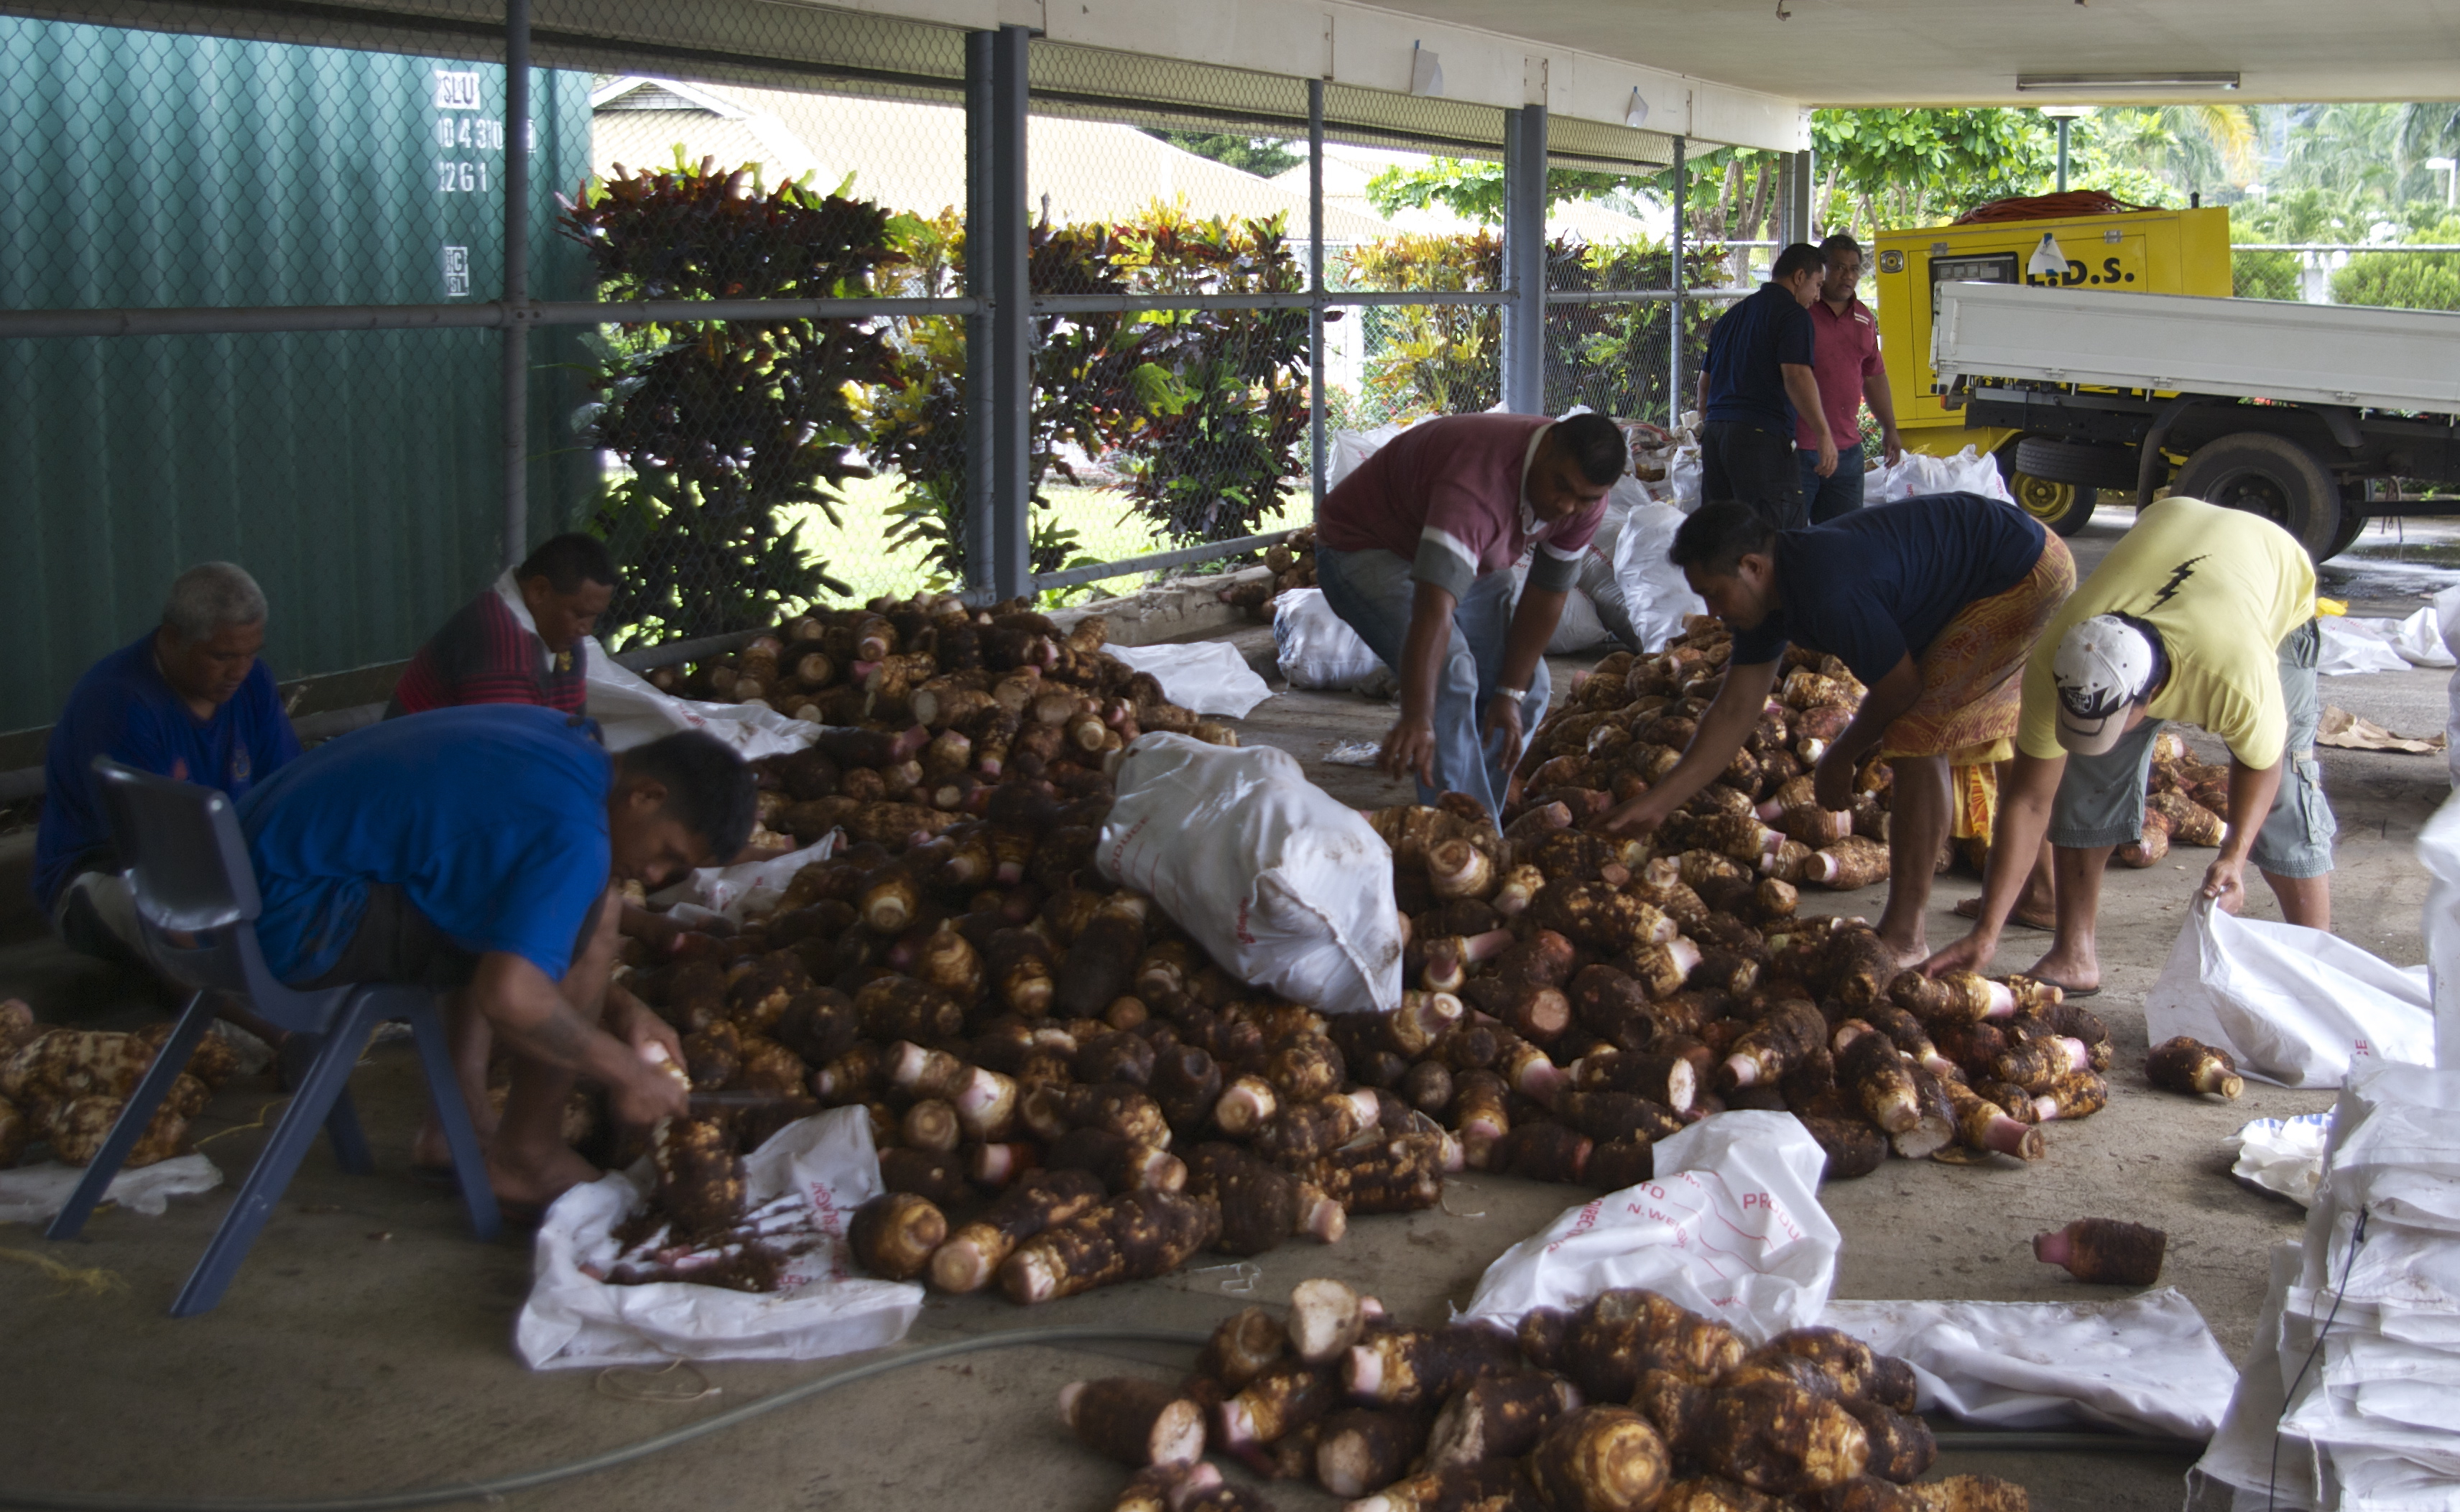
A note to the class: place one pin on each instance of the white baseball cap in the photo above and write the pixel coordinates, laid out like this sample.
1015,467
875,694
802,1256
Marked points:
2103,668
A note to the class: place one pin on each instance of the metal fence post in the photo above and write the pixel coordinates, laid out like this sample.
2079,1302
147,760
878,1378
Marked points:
516,280
1315,286
1000,239
1681,180
1524,260
982,355
999,358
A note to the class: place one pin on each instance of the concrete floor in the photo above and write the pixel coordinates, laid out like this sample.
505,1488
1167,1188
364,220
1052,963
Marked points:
366,1345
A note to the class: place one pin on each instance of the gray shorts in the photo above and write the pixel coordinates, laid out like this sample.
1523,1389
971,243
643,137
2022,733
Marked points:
2101,798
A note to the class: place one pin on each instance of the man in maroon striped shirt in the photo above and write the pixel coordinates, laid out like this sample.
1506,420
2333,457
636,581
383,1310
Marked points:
519,641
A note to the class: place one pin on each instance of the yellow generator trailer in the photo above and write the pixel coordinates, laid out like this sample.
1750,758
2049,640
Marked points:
2124,252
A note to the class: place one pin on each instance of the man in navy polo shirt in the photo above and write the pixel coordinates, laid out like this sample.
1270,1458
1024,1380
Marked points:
1845,359
481,851
189,699
1756,384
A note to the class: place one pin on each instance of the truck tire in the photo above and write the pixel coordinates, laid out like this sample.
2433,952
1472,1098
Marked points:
2100,466
2061,507
2353,524
2270,476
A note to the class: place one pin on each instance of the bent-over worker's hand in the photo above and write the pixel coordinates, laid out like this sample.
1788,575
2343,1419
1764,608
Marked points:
1634,819
1827,467
2225,884
1970,954
653,1087
1503,713
637,1024
1410,751
1832,781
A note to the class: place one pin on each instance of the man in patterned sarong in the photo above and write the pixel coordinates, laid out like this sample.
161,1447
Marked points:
1932,602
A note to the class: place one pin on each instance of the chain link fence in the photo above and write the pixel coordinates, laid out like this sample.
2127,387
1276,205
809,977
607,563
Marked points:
818,436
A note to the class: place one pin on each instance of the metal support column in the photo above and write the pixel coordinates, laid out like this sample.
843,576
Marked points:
1793,198
516,280
999,368
1524,260
1315,286
1680,177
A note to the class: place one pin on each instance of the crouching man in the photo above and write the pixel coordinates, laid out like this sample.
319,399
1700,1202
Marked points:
479,851
1415,550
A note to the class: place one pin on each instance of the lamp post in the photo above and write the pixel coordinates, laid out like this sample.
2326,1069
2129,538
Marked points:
2063,114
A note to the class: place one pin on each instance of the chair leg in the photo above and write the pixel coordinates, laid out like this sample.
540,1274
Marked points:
350,1140
311,1104
452,1112
133,1116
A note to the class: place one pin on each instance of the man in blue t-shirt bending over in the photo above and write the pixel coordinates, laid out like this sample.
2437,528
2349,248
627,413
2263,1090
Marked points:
481,850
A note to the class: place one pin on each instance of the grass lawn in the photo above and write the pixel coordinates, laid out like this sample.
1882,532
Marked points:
857,554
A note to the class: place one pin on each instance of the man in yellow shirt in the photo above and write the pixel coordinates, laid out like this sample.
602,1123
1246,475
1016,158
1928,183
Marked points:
2200,614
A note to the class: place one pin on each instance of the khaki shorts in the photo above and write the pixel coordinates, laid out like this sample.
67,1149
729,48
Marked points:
2101,798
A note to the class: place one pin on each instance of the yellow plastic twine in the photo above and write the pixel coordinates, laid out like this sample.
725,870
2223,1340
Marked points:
240,1128
634,1383
94,1281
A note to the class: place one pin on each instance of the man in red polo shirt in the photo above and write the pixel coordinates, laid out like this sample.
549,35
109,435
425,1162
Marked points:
1845,359
1415,551
519,641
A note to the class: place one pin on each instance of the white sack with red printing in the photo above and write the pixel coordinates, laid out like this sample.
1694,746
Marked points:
2146,1364
1284,886
1731,1229
824,1306
2293,1007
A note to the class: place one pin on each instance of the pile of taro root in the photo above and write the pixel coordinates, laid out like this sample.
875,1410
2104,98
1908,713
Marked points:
1067,1092
1630,720
1629,1404
1291,564
64,1088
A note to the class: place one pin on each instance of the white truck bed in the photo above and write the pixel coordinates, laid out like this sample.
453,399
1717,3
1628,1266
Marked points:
2378,359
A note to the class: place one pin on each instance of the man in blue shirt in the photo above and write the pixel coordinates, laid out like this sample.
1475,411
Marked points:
1756,385
481,850
189,699
1933,603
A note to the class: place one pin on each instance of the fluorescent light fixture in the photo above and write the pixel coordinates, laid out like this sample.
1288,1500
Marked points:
2105,83
2064,112
1635,114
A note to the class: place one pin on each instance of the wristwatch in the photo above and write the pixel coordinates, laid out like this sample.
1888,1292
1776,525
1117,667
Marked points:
1511,693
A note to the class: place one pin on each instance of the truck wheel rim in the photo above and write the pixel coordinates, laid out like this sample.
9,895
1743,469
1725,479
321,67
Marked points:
2041,498
2255,493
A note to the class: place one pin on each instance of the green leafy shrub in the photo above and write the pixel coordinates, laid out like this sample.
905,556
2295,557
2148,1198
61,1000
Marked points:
721,425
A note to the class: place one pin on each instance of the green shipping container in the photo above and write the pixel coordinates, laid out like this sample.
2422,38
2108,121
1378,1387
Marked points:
359,475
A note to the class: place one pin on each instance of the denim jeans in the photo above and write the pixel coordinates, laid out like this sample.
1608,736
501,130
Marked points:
1374,593
1836,495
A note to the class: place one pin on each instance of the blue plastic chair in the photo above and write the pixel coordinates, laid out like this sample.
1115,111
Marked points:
197,902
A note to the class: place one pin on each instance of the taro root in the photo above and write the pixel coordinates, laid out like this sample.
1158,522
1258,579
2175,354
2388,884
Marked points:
2108,1250
2191,1066
2190,823
1413,1367
1394,1173
1326,1317
1245,1344
1134,1422
894,1234
1492,1485
1775,1436
1854,1148
1626,1333
1362,1450
1601,1460
1285,1396
1901,1445
1131,1237
1500,1415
